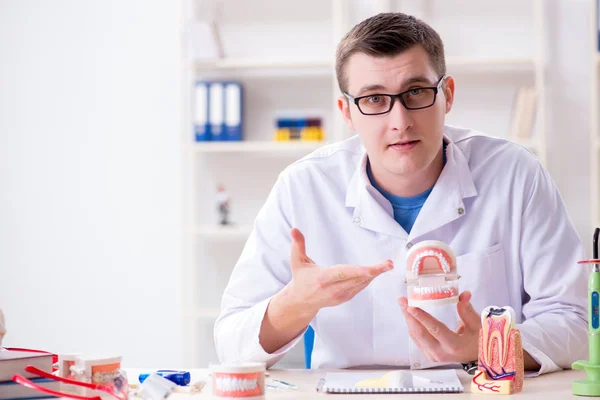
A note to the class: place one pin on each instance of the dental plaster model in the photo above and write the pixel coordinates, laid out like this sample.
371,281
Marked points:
501,366
431,274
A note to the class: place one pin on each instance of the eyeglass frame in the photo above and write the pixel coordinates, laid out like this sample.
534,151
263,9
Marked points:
398,96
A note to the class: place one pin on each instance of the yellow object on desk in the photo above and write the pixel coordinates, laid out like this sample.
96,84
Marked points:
380,382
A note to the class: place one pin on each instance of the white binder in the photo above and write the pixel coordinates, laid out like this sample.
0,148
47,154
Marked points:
200,115
233,111
216,110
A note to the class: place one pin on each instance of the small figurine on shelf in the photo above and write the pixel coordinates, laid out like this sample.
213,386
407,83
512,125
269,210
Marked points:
223,204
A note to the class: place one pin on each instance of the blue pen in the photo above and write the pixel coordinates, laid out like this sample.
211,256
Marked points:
181,378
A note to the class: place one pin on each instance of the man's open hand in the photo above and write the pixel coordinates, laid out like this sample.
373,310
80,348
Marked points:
319,287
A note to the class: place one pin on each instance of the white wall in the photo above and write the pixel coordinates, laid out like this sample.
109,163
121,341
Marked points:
90,177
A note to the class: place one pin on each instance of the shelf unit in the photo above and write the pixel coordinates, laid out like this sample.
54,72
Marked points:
493,63
205,162
595,117
211,250
257,147
224,232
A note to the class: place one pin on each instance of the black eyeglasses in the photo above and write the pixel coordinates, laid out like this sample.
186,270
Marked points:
413,99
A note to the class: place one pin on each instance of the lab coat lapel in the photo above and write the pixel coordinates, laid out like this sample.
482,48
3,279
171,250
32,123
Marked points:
371,210
445,202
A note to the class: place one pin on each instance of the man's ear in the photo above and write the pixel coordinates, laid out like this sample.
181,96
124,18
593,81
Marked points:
344,106
448,88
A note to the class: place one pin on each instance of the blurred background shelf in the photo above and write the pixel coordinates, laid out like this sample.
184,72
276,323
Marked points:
262,64
472,63
223,231
497,64
256,146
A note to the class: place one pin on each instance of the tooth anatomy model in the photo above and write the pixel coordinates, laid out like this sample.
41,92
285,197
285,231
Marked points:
500,353
431,274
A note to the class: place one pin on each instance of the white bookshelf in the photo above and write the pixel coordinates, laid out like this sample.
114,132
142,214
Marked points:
294,148
594,118
303,77
494,64
240,232
472,63
211,250
239,64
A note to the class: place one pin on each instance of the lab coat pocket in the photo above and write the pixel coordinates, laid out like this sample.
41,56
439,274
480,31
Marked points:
483,273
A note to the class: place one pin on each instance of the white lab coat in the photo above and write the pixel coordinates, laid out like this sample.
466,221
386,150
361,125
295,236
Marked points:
494,204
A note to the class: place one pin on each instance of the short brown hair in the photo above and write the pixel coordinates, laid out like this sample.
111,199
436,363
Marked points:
387,35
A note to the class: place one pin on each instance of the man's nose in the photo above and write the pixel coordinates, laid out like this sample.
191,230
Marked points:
400,118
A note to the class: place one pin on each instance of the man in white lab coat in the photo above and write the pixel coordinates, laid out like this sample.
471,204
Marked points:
349,212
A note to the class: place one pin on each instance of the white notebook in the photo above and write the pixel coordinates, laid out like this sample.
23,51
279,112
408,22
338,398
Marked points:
397,381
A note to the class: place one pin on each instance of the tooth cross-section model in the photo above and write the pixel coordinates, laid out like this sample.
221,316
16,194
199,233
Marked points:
431,274
500,353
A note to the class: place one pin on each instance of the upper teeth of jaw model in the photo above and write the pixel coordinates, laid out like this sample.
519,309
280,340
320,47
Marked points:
431,274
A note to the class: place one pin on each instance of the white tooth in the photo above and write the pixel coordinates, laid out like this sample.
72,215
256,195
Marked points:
512,318
228,384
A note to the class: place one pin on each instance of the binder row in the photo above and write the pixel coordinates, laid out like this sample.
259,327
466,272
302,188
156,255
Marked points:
218,111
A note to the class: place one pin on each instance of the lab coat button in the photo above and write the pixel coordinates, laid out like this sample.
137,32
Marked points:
356,220
460,211
416,365
409,245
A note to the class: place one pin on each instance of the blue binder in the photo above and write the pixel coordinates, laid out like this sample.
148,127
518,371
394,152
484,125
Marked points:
200,112
216,110
233,111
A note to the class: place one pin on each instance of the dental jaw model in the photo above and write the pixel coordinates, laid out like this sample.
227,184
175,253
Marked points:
501,366
431,274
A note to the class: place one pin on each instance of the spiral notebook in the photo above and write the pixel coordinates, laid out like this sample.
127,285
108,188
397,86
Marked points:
398,381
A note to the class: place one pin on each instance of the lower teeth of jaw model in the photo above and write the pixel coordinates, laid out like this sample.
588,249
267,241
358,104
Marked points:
431,274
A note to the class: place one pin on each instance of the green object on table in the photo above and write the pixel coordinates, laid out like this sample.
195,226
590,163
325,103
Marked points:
591,385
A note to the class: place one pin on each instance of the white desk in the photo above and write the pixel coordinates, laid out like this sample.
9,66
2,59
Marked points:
555,386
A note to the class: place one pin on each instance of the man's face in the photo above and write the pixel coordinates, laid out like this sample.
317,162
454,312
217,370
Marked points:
402,142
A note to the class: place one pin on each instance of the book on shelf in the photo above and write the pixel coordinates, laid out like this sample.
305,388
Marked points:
523,114
14,362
